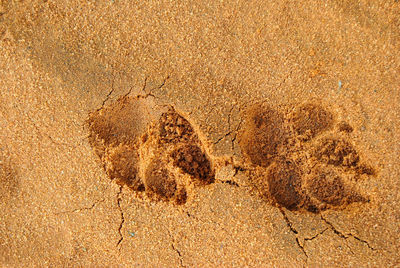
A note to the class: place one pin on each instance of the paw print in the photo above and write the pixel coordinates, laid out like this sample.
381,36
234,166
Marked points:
300,158
157,157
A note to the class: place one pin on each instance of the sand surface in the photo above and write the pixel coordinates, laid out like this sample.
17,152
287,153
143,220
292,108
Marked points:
199,133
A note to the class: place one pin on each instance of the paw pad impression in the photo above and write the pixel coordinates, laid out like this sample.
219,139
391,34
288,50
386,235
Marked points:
299,161
158,157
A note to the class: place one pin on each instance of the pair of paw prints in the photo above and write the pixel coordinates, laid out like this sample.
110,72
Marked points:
301,159
158,156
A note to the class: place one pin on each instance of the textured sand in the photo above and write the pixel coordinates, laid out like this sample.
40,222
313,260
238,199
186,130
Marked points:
212,61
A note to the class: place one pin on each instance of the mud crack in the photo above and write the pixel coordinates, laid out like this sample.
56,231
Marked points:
122,218
294,231
232,132
109,93
82,208
174,248
347,235
315,236
229,132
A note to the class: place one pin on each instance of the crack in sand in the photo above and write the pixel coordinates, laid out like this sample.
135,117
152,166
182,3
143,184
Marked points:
346,236
233,139
122,218
109,93
41,135
180,257
146,95
143,88
315,236
82,208
230,131
162,84
223,137
192,216
295,232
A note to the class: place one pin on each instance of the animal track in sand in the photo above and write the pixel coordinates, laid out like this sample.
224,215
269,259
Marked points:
300,157
158,156
298,160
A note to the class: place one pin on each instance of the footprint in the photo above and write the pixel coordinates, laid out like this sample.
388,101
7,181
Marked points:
298,160
329,189
284,184
156,154
193,161
120,123
121,165
159,180
263,136
309,120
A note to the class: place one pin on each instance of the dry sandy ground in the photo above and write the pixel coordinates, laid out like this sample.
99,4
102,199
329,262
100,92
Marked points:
61,61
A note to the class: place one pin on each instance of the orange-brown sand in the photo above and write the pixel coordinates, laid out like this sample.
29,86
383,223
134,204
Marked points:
199,133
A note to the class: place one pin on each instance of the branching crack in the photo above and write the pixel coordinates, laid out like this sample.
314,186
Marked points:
109,93
288,222
294,231
122,218
82,208
150,93
315,236
175,249
230,130
346,236
143,88
223,137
